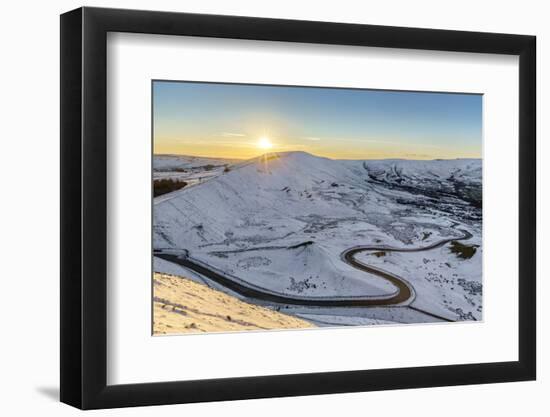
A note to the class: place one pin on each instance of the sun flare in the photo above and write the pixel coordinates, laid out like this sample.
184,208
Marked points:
264,143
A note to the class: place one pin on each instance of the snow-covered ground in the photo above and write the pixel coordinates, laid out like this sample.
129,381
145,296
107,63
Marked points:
167,163
445,284
281,222
191,169
183,306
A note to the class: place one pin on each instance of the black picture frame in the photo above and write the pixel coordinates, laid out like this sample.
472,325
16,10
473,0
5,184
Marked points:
84,207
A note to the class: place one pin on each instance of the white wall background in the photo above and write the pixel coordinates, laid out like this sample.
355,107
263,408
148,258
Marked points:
29,216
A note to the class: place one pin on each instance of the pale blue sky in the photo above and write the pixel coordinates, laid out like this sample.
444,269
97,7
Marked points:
227,120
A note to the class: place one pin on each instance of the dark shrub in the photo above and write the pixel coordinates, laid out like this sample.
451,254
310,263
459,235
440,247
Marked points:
166,185
463,251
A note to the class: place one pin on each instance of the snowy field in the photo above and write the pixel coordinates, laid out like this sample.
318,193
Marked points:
281,222
191,169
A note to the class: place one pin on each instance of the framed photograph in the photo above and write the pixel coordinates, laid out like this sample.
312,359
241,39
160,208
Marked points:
257,207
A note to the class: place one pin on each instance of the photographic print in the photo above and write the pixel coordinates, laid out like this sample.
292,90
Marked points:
289,207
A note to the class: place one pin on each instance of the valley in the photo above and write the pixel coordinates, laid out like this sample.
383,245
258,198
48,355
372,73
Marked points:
332,242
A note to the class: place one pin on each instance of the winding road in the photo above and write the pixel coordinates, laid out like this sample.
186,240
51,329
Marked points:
405,292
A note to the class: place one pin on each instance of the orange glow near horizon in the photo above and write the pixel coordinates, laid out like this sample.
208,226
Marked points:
245,121
245,148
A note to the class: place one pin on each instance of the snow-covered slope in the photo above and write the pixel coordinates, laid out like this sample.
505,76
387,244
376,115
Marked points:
163,163
191,169
459,177
281,221
259,201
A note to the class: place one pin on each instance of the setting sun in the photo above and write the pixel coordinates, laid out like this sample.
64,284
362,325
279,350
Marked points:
264,143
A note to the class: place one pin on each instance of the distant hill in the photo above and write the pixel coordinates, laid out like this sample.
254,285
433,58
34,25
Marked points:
168,162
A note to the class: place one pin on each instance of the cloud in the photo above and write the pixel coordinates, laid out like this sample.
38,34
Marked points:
312,138
391,142
233,135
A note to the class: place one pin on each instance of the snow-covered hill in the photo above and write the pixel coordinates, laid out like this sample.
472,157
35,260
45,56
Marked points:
191,169
459,177
281,221
163,163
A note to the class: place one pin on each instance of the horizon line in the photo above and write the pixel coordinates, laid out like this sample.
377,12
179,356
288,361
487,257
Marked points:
317,156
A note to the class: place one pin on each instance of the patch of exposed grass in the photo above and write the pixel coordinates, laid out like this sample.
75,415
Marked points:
379,254
463,251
